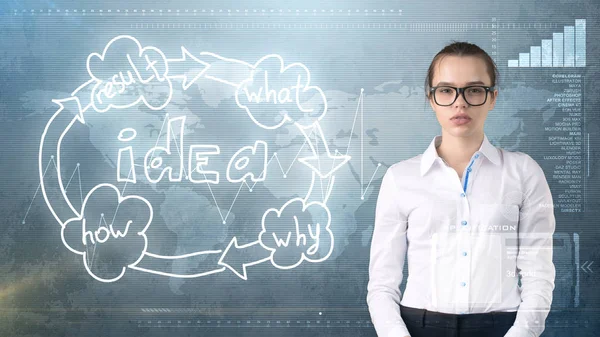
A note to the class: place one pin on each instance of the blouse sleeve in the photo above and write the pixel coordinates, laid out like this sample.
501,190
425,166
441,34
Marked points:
534,259
387,256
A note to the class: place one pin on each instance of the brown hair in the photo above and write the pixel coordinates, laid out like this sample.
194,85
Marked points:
458,48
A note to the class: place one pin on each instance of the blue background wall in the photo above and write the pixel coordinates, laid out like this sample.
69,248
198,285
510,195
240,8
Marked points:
369,59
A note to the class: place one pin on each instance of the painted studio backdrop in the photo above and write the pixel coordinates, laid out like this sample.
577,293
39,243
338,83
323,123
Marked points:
212,168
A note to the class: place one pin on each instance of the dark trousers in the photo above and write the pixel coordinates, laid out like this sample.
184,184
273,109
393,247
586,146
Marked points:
425,323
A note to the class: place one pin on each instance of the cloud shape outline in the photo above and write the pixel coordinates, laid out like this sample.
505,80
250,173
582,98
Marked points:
142,98
282,69
303,256
76,220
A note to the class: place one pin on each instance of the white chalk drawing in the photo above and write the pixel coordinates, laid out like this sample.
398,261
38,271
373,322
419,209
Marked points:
293,110
128,152
291,233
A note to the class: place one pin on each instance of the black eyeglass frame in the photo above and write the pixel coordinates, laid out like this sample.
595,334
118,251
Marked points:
461,90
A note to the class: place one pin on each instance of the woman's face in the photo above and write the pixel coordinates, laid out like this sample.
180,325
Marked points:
461,71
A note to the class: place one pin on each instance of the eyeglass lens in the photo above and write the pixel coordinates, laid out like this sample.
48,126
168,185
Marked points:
447,95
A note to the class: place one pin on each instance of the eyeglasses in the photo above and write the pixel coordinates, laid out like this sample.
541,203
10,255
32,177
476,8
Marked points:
474,95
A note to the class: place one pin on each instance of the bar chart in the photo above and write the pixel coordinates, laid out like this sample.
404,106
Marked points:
564,49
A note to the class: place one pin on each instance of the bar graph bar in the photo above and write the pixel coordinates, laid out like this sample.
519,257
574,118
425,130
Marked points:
580,43
523,59
557,51
546,53
535,56
564,49
569,46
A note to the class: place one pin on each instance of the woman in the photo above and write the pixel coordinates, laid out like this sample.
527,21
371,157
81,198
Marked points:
475,221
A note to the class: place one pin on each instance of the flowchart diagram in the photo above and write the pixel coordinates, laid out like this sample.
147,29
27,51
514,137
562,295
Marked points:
117,222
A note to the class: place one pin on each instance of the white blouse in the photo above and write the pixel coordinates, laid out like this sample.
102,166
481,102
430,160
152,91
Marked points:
468,240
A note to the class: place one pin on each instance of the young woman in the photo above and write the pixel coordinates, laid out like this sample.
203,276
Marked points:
475,221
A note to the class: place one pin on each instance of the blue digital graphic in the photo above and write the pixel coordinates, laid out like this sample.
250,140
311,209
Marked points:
212,168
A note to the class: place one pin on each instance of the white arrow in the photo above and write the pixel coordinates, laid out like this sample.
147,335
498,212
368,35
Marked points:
586,267
179,67
322,161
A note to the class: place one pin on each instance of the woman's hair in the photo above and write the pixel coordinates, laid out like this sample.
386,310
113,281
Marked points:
458,48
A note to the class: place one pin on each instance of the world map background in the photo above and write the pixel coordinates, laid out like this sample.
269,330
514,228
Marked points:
41,62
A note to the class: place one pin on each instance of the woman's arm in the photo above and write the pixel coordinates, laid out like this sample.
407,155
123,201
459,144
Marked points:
388,250
534,260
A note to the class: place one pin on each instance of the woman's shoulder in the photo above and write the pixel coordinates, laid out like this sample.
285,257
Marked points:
521,162
406,167
517,157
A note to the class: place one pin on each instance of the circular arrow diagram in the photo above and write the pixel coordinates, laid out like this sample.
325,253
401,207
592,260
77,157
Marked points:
235,257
